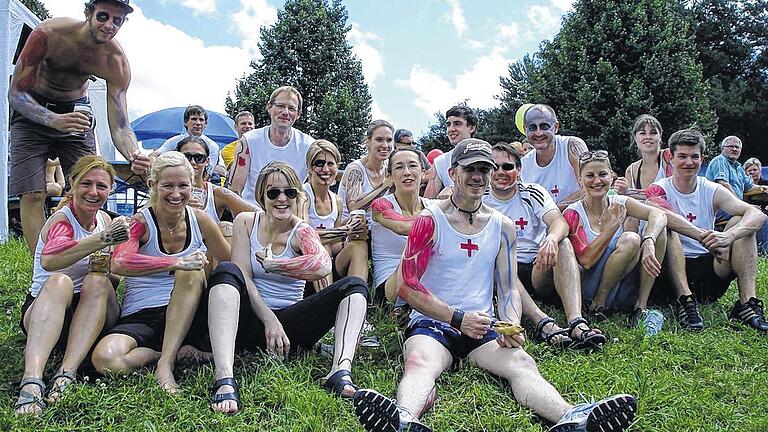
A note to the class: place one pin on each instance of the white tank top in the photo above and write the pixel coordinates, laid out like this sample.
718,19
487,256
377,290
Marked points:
461,267
386,246
317,221
76,271
557,177
367,188
278,291
698,207
526,209
442,164
210,205
578,206
154,290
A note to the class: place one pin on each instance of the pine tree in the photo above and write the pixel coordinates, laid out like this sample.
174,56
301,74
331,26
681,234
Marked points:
307,48
38,8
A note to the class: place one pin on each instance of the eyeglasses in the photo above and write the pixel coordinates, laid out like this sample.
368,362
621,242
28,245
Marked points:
197,158
102,16
593,154
289,193
281,106
732,146
533,127
508,166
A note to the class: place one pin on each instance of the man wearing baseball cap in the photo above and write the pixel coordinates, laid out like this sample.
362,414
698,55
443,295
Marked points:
49,96
458,251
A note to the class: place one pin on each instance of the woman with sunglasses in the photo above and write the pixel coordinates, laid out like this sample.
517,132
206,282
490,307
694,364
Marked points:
654,163
70,301
255,301
323,212
163,261
206,196
606,253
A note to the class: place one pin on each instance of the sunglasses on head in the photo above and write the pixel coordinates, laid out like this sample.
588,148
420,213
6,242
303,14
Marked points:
197,158
289,193
102,16
593,154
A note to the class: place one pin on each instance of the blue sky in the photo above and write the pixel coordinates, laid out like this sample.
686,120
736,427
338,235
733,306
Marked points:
419,56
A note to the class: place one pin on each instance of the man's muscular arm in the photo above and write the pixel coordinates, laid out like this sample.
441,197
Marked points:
508,301
657,197
314,262
238,171
576,146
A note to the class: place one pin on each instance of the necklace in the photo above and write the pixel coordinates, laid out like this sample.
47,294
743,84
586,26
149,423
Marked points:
170,230
468,212
599,218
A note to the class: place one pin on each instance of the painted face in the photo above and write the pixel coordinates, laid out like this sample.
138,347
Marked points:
380,143
324,168
284,111
173,188
196,124
686,160
93,191
105,21
472,180
406,171
507,174
754,172
281,206
244,125
596,177
540,128
648,139
458,129
732,150
195,154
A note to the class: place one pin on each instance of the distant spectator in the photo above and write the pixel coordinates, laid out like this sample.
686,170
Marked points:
244,121
195,121
753,168
526,147
403,138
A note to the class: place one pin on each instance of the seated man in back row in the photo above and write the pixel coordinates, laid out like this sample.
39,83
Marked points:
476,247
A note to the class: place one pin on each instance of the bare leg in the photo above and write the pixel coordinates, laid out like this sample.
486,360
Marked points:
119,354
621,262
425,360
187,288
567,284
743,262
646,280
674,265
32,210
223,318
528,386
353,260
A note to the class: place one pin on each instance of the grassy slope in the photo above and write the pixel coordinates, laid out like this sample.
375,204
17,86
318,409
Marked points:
712,381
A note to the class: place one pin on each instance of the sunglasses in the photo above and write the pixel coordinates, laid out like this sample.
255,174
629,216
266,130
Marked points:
102,16
197,158
508,166
289,193
593,154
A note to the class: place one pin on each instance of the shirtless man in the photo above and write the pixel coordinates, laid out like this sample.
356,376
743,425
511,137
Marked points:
460,123
451,293
554,163
48,95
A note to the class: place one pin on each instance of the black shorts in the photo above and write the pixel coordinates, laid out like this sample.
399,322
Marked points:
703,282
304,322
525,274
61,344
458,344
147,328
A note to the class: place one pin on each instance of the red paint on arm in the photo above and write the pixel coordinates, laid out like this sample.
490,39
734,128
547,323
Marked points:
416,255
60,238
241,161
126,254
33,53
313,264
383,206
576,233
658,196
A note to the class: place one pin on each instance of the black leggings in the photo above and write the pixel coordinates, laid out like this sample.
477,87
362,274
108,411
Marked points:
304,322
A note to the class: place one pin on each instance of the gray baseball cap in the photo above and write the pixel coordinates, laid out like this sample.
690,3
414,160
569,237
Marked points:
472,150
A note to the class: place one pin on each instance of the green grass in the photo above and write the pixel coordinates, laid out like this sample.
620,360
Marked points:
712,381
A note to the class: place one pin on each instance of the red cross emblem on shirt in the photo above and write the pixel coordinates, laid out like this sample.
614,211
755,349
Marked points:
469,247
321,226
555,190
521,223
691,217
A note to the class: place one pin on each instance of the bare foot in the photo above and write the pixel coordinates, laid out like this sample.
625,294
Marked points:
225,406
551,328
33,407
58,387
190,352
164,377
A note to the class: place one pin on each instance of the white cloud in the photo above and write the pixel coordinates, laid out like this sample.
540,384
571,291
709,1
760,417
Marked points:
563,5
377,113
373,63
509,34
253,14
456,17
200,6
542,17
478,84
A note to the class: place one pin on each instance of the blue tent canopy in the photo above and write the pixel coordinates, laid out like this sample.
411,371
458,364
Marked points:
154,128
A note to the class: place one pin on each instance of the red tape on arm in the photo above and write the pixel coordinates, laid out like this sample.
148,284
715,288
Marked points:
387,210
416,255
314,263
658,196
576,233
126,254
60,238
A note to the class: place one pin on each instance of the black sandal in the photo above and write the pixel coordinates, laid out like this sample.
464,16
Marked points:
233,396
588,339
549,338
336,383
69,376
27,398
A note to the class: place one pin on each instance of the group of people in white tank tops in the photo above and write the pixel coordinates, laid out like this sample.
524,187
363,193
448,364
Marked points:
494,234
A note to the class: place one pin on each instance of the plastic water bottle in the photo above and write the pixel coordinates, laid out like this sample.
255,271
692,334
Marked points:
653,321
611,192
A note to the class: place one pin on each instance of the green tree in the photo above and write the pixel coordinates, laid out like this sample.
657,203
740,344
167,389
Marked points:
38,8
307,48
612,61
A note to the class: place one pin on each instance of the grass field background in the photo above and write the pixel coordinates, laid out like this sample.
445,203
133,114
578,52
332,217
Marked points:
715,380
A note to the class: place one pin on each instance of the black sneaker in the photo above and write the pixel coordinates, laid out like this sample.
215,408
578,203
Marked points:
750,314
688,315
635,318
378,413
